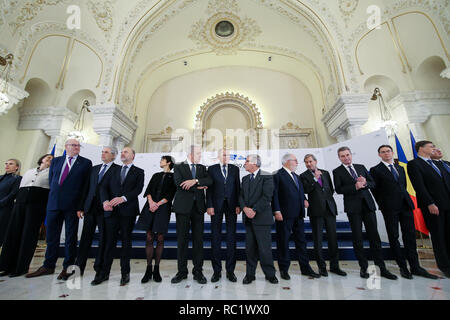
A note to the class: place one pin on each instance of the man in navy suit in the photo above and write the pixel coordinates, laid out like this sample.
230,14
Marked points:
223,198
354,182
93,209
288,205
119,196
397,208
431,181
68,176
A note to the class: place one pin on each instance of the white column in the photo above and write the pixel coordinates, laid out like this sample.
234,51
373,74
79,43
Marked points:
345,118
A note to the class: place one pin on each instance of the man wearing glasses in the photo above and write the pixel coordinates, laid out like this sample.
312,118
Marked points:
67,178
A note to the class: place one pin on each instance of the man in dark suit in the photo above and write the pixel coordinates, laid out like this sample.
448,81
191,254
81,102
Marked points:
288,205
322,211
397,207
68,176
191,179
354,182
93,208
437,156
432,184
223,199
119,195
255,199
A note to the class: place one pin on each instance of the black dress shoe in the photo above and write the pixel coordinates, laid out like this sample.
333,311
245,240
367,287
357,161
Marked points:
385,273
216,277
364,274
15,274
248,279
421,272
404,273
64,275
285,275
4,273
179,277
273,279
311,273
99,279
200,278
231,276
124,279
323,272
339,272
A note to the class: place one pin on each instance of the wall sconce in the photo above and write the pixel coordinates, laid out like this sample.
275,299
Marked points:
79,124
386,117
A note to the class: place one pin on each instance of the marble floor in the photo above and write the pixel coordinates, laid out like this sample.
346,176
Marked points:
299,287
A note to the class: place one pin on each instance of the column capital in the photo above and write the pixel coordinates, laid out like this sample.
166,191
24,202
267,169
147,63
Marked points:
347,115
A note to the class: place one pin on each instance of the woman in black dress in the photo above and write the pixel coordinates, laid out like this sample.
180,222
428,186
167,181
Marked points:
155,215
27,217
9,185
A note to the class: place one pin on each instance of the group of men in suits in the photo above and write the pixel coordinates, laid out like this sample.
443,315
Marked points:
106,196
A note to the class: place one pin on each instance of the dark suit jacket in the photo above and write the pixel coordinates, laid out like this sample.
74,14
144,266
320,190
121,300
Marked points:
258,197
221,188
131,188
345,184
287,198
168,187
93,187
319,198
430,187
184,199
68,196
9,186
390,194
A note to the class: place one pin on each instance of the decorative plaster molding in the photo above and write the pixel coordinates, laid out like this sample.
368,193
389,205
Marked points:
54,121
102,12
14,95
446,73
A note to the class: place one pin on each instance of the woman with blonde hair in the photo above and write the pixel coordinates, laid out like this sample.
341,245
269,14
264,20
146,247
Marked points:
9,185
27,216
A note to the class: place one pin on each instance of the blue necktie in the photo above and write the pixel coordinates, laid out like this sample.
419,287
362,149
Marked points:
193,170
102,173
394,172
123,174
445,166
252,177
224,170
295,180
353,173
434,167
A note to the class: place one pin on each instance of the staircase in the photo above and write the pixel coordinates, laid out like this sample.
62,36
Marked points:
170,249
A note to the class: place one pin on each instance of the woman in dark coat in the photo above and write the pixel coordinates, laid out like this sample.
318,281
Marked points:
27,217
155,215
9,185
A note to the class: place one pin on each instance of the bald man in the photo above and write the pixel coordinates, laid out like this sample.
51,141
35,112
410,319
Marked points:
68,176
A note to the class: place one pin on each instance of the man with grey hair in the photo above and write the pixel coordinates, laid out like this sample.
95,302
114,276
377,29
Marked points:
67,178
322,212
255,199
92,213
191,179
289,205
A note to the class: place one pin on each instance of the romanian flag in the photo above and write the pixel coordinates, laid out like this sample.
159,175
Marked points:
418,217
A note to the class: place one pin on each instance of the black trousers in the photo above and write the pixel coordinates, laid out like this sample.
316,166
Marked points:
194,221
22,237
258,244
317,224
5,218
405,218
216,234
91,220
116,226
439,227
285,228
369,219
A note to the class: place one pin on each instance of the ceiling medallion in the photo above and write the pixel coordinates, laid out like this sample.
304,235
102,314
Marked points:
224,31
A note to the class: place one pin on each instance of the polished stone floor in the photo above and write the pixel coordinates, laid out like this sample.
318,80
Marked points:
299,287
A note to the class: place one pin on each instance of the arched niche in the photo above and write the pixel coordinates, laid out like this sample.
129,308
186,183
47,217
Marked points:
40,94
427,77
